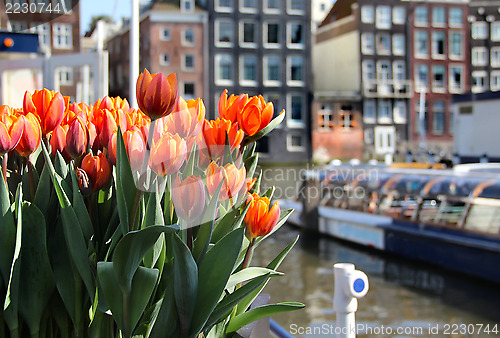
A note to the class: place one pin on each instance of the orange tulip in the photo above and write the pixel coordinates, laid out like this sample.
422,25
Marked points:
107,127
48,106
230,108
214,134
77,138
255,115
58,141
31,137
11,130
98,170
188,197
232,177
135,146
167,154
186,119
259,219
250,182
156,94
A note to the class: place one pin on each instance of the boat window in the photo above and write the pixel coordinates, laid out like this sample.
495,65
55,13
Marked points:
492,191
483,218
455,186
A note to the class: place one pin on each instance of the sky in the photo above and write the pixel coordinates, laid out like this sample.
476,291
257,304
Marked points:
114,8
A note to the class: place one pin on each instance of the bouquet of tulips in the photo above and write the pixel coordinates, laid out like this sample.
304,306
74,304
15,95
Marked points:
121,222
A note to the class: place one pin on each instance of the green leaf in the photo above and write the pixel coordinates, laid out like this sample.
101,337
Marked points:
191,162
269,193
267,129
121,205
42,194
213,274
249,273
251,165
257,313
7,232
143,284
10,306
80,208
36,281
131,249
112,294
154,216
60,165
185,282
227,225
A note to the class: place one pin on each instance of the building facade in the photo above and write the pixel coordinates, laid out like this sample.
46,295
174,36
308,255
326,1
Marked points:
172,40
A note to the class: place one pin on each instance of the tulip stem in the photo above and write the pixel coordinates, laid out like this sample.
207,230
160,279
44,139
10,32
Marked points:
137,202
32,179
248,254
149,143
4,166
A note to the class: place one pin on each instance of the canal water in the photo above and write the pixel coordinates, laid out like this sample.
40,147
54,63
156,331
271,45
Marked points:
403,294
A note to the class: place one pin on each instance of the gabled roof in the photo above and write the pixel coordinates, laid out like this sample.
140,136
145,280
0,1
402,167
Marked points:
341,9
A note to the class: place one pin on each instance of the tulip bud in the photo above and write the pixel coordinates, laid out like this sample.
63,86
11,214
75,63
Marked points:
255,115
232,177
156,94
48,106
31,135
77,138
259,219
98,170
168,154
188,197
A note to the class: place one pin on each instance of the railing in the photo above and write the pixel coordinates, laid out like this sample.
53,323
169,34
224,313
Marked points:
388,88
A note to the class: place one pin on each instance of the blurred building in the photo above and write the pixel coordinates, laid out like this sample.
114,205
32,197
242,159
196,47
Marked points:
319,10
263,47
172,40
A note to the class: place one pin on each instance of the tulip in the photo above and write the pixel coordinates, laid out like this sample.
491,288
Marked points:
255,115
48,106
186,119
230,108
250,182
58,141
188,197
11,130
97,169
214,135
107,127
156,94
232,177
77,138
260,220
167,154
135,146
31,136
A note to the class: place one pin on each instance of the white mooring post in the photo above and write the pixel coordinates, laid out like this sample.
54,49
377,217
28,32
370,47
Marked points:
350,284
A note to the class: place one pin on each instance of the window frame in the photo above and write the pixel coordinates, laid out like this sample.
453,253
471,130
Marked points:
479,30
223,9
451,22
294,123
383,19
495,75
479,56
402,51
365,39
478,74
291,82
367,14
268,10
398,15
245,82
289,35
162,59
434,53
436,86
184,66
290,147
222,44
266,81
452,55
438,23
242,34
369,103
55,42
451,82
265,32
244,9
419,54
186,42
217,71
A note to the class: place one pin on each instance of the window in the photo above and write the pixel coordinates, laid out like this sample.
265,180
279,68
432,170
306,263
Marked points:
248,70
188,37
455,19
368,137
188,62
369,111
223,69
383,17
43,31
189,90
164,59
368,70
495,80
224,5
478,81
383,70
400,111
187,5
399,70
438,17
224,33
456,45
296,6
296,70
18,26
62,36
64,5
438,44
438,82
398,44
249,6
272,6
421,16
456,78
297,105
64,75
495,57
165,34
384,140
479,56
367,43
295,143
248,34
421,44
346,120
422,77
325,117
384,111
383,44
272,70
271,34
295,35
479,30
495,31
398,15
438,113
367,14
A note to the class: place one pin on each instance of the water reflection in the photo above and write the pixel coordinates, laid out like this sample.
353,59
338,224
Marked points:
401,292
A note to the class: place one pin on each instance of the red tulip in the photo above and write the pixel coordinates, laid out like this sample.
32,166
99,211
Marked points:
77,138
259,219
98,170
167,154
188,197
156,94
11,130
135,146
58,141
48,106
250,182
107,127
214,135
255,115
232,177
229,109
31,137
186,119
